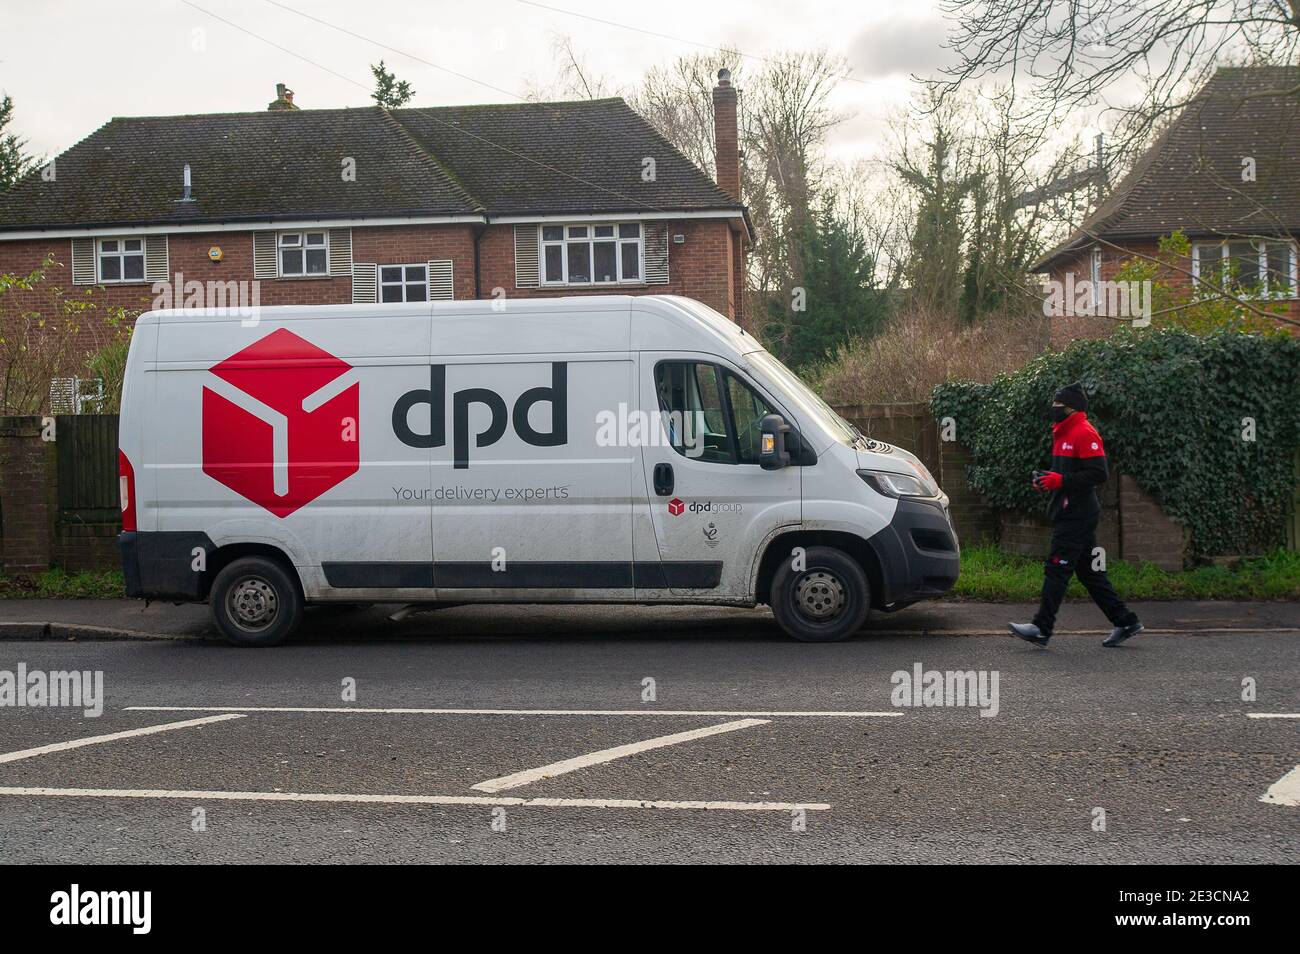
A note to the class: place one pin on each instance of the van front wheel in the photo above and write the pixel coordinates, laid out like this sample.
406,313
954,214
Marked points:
255,602
821,598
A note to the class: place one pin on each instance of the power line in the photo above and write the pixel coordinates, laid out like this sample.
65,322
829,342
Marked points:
452,126
614,133
675,39
600,127
393,49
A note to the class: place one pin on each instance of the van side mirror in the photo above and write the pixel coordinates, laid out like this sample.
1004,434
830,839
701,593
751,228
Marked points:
772,454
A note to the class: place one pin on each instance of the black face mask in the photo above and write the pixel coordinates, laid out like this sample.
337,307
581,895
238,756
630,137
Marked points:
1059,414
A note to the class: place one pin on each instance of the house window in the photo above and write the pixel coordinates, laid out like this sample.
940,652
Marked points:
121,260
403,283
1094,275
595,254
303,253
1259,268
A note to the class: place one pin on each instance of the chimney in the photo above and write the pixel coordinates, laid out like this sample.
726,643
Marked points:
283,98
725,136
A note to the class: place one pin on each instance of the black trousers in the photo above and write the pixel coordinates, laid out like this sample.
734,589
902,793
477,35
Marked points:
1073,541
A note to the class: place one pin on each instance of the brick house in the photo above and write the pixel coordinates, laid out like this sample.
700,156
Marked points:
1226,172
366,204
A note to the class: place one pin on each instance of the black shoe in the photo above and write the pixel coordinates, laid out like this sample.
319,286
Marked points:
1121,633
1030,633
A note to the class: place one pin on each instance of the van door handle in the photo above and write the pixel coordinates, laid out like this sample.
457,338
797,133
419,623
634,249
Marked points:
663,479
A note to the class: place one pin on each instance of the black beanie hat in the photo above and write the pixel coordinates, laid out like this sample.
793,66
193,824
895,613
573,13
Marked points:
1073,395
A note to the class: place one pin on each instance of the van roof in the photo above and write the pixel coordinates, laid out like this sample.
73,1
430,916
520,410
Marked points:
652,323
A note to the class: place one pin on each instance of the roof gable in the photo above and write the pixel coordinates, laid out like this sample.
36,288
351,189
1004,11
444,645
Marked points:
1191,176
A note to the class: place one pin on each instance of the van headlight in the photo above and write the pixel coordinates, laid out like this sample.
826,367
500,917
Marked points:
892,484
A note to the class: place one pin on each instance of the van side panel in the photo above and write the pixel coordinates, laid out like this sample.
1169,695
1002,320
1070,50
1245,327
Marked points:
532,498
279,433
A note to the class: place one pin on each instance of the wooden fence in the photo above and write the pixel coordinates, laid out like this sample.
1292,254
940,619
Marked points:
86,469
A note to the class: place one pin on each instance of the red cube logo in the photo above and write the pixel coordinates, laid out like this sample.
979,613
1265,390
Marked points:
676,507
280,376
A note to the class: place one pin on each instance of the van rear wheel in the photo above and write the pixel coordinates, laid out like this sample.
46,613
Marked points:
255,602
822,598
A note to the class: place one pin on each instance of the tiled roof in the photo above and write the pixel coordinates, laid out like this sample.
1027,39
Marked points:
532,158
1191,177
571,157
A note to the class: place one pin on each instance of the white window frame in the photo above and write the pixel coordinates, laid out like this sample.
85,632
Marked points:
589,239
1094,277
404,283
121,254
281,247
1199,248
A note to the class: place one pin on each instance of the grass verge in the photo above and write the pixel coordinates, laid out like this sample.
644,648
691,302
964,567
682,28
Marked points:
989,574
58,585
986,574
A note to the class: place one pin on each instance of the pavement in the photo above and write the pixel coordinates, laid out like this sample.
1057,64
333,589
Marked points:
636,734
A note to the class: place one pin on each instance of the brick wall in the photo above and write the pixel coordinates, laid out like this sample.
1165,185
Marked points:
26,498
1147,533
1069,327
414,245
975,522
34,536
85,546
702,267
1030,534
708,266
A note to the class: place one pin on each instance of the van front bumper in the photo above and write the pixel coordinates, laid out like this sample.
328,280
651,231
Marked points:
918,553
160,564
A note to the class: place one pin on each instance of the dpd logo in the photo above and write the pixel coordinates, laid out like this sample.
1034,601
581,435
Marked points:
287,432
676,507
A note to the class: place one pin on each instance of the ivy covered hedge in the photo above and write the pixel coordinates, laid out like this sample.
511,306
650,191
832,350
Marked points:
1207,425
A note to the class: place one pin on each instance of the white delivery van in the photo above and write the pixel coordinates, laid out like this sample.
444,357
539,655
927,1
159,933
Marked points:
634,449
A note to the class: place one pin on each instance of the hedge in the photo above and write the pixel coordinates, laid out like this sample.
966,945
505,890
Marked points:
1207,425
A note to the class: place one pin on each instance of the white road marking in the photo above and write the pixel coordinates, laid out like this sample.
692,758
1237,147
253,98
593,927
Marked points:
1273,715
417,799
529,776
358,710
113,737
1285,791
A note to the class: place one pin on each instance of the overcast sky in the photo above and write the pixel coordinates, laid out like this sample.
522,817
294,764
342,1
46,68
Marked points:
70,66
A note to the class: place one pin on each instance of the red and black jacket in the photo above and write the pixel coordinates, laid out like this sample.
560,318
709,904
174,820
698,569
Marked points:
1079,456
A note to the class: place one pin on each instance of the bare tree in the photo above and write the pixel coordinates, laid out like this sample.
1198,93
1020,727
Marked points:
873,203
1078,54
783,121
678,101
787,117
577,80
969,166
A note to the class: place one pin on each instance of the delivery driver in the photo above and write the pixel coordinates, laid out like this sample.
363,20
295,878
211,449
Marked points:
1078,467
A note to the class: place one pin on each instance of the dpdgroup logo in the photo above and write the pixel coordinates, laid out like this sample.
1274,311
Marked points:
294,438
